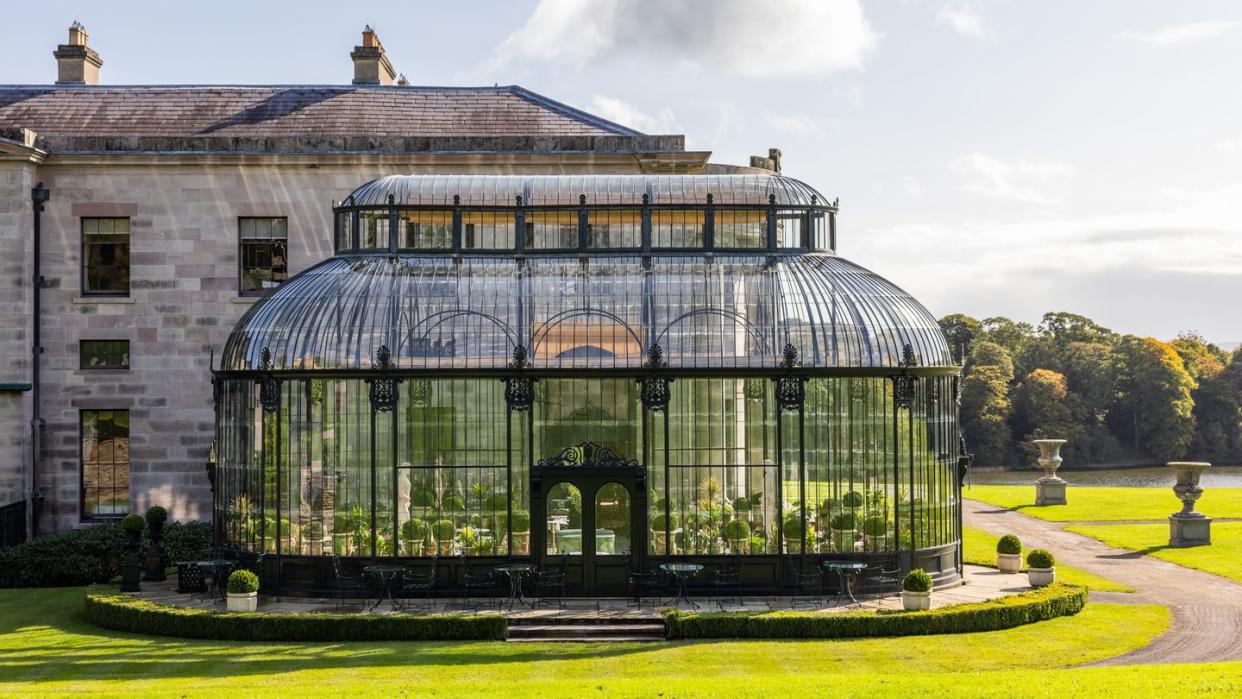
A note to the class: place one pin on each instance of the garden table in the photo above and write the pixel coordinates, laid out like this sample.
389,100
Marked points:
846,572
220,569
516,572
681,571
386,575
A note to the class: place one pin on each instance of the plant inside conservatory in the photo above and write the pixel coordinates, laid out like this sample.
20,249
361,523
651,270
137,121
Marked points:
792,529
521,531
844,525
243,591
875,532
737,534
1009,554
444,530
916,591
414,536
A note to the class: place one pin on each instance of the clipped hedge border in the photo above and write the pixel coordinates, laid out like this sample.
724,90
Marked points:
124,613
1046,603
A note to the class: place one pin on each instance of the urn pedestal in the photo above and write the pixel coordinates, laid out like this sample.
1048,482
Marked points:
1189,527
1050,489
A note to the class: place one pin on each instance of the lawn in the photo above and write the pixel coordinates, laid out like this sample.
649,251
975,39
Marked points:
1220,558
979,548
1106,504
47,648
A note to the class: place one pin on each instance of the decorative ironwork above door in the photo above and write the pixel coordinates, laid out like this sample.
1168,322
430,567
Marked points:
588,459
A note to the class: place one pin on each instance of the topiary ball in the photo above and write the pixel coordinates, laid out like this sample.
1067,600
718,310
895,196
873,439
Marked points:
916,580
133,523
853,499
156,516
242,582
1040,558
1009,544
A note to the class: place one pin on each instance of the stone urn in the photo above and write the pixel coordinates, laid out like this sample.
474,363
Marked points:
1050,489
1188,526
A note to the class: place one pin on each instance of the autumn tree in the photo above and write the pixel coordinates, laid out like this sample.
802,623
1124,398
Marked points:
1218,415
960,330
1154,409
985,402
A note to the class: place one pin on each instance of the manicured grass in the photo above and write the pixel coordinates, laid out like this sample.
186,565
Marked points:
1220,558
1106,504
979,548
46,647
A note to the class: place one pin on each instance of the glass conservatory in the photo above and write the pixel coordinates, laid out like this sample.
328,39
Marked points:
606,371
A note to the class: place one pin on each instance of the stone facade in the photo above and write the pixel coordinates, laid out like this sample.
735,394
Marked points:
17,177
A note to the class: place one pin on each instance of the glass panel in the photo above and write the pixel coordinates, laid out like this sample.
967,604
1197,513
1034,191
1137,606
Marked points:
564,535
677,229
426,230
551,230
374,228
344,231
612,520
819,231
571,411
487,230
614,229
741,228
105,463
789,229
105,256
104,354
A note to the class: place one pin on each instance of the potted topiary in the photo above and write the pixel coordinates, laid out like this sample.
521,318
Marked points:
793,534
875,531
443,531
852,499
1041,570
1009,554
737,533
422,500
131,566
521,531
916,591
243,591
843,526
414,536
156,561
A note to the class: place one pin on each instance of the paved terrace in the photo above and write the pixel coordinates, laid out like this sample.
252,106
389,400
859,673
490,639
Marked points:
979,584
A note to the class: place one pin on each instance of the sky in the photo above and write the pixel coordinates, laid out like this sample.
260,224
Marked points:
991,158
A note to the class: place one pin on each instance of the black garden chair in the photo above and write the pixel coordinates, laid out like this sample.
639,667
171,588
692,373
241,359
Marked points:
546,582
808,587
421,585
640,583
343,584
727,582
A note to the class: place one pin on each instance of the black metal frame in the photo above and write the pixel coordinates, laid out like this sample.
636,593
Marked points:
129,243
82,516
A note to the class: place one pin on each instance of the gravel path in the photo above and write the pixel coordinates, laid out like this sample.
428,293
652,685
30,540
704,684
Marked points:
1206,609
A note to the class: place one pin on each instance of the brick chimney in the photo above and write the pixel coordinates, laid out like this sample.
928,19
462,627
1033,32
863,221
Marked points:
77,63
371,66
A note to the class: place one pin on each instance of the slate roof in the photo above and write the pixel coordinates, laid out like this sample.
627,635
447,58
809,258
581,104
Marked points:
78,118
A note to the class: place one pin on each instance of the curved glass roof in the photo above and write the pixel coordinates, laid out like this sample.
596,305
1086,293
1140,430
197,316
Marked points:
502,190
580,313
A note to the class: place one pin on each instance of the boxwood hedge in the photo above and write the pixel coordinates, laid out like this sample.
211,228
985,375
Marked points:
1053,601
90,555
125,613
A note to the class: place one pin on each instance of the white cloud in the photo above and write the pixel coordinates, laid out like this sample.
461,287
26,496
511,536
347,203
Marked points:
963,20
626,114
796,38
993,177
1230,145
796,124
1180,34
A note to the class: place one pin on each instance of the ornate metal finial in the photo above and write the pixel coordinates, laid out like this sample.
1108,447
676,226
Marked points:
771,200
383,390
456,200
391,199
518,199
581,200
791,388
519,389
903,382
655,392
710,197
646,199
269,385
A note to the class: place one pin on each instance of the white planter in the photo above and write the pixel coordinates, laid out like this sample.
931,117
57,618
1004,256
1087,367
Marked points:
1041,577
243,601
1009,562
916,601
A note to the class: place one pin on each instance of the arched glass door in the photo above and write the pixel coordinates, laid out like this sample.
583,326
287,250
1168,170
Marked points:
563,535
612,520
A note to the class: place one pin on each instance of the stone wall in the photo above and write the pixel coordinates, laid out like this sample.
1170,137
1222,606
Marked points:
183,301
16,259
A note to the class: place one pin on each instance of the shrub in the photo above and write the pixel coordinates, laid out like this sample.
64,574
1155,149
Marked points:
792,528
1056,600
156,516
414,530
1040,558
242,582
187,541
1009,544
844,521
875,526
133,523
852,499
916,580
741,504
737,530
443,530
453,503
422,497
660,522
125,613
521,521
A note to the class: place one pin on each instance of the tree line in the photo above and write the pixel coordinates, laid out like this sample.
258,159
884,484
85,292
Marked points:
1116,398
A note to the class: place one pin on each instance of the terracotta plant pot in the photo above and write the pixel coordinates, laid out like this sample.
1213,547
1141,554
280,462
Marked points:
916,601
243,601
1009,562
1041,577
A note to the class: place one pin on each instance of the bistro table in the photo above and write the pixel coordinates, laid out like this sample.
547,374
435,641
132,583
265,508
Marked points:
386,574
682,571
516,572
220,569
846,571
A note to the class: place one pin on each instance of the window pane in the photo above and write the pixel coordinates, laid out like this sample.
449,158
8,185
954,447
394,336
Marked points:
564,520
374,228
263,254
615,229
104,354
789,229
487,230
426,230
550,230
105,462
677,229
612,520
741,228
105,255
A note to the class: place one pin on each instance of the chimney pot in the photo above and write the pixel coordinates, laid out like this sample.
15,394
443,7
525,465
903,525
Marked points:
76,62
371,66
